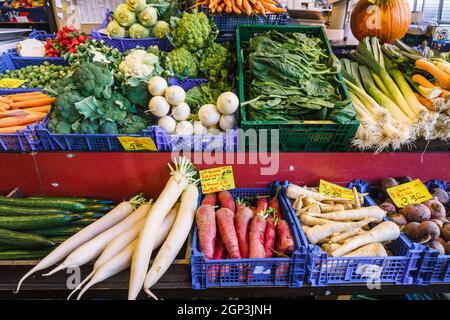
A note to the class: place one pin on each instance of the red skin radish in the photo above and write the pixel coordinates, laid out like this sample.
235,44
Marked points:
253,210
257,229
220,252
210,198
285,240
242,224
269,237
206,224
225,223
275,205
262,205
226,200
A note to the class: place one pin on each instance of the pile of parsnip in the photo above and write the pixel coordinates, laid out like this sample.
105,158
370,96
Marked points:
341,226
127,235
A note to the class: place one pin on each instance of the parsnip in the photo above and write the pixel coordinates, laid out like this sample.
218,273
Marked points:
370,250
355,214
320,232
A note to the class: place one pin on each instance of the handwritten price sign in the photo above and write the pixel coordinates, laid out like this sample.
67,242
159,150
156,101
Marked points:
333,190
137,143
409,193
217,179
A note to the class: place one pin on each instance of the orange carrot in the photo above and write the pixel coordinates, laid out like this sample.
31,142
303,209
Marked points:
29,97
427,103
4,105
272,8
247,7
441,77
13,129
239,4
32,103
220,8
418,78
445,94
40,109
22,120
22,94
6,100
235,7
260,8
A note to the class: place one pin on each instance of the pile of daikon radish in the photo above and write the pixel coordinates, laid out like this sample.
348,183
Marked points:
341,226
127,235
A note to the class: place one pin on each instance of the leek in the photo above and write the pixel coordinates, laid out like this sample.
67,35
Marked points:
409,95
381,85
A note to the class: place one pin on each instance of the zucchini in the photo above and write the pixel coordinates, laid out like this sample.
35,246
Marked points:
37,222
99,208
8,210
44,203
92,214
75,199
56,232
23,254
23,240
58,240
84,222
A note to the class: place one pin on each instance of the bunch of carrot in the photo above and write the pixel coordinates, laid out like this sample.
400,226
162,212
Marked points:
22,109
241,6
237,230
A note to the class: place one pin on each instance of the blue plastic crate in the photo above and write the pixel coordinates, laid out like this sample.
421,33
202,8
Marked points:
248,272
323,270
188,83
6,63
83,142
434,268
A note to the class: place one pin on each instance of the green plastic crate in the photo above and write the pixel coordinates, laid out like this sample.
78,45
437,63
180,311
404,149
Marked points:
294,135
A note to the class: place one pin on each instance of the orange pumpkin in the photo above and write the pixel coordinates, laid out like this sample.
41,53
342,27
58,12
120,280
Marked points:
387,19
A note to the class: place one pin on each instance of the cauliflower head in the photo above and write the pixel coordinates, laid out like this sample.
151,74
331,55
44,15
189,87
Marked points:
138,64
181,63
216,61
193,31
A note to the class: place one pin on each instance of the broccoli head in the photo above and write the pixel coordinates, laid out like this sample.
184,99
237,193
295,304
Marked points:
58,126
94,78
181,63
216,61
194,31
137,93
115,109
133,124
88,126
109,127
65,106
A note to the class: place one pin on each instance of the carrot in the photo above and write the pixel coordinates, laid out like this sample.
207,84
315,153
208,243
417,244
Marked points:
386,231
6,100
425,102
262,205
257,230
285,240
319,232
220,252
246,6
46,109
356,214
32,103
235,7
441,77
242,223
36,96
445,93
220,8
275,205
210,198
418,78
226,200
239,4
269,237
13,129
227,231
206,224
4,106
272,8
21,120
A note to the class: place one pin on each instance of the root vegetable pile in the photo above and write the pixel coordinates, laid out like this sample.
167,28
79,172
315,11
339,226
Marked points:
242,6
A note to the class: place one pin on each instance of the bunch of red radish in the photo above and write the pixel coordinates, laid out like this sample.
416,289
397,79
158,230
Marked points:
67,40
237,230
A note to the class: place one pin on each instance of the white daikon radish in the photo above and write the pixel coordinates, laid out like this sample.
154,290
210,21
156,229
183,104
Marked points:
181,176
110,219
227,103
158,106
208,115
176,238
175,95
168,124
157,86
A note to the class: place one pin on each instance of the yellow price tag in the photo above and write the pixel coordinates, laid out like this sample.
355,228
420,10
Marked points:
333,190
11,83
137,143
217,179
409,193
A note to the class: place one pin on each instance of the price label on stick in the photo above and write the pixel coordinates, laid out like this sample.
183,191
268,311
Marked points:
217,179
409,193
333,190
137,143
11,83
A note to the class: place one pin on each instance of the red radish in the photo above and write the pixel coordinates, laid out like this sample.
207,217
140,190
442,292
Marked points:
227,231
206,223
275,205
262,205
226,200
269,237
253,210
220,252
242,223
257,229
285,240
210,198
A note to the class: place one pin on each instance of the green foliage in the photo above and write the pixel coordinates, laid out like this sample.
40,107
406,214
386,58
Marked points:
109,128
206,93
181,63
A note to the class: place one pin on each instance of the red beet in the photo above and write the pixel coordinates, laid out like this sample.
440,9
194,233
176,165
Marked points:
206,224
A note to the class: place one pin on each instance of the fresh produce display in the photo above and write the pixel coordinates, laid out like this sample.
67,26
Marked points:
291,77
241,6
38,76
175,117
30,226
67,40
392,91
17,111
141,19
248,228
341,226
426,223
